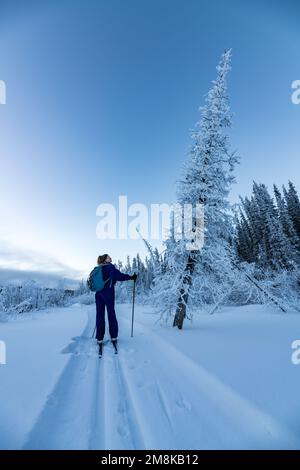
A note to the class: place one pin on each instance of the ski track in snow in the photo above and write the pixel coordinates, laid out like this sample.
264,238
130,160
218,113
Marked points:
132,401
229,418
88,414
66,418
122,428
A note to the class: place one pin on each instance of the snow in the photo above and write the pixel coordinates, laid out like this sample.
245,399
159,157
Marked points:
226,381
34,362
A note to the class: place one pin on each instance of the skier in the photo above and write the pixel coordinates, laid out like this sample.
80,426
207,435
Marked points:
106,297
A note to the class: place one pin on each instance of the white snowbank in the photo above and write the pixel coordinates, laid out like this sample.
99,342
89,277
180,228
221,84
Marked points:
34,362
225,381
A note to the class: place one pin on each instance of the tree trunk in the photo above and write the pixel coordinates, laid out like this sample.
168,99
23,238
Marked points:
184,292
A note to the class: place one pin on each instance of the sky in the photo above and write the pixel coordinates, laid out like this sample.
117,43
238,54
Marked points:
101,97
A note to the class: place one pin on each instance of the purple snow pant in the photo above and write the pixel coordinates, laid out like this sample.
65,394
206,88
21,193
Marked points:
106,297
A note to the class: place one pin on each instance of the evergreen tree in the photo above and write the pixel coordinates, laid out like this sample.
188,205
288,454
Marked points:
287,224
293,206
277,248
207,178
265,233
243,240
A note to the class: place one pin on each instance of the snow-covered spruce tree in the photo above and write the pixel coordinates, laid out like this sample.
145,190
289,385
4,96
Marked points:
128,265
207,178
275,249
144,279
155,264
293,206
149,274
249,210
167,277
287,224
243,241
141,283
121,289
264,217
264,232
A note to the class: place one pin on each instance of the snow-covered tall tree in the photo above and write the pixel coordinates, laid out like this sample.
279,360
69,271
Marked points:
207,178
265,232
287,224
244,239
293,206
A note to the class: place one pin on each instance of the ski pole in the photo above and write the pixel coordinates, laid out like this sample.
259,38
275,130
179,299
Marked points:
94,332
133,295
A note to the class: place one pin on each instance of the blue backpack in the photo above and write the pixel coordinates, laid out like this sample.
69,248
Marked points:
95,281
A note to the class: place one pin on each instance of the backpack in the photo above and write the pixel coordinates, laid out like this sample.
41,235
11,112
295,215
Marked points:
95,281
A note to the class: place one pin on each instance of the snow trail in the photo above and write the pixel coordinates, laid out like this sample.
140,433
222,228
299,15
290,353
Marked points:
225,418
149,396
65,420
122,428
96,434
90,407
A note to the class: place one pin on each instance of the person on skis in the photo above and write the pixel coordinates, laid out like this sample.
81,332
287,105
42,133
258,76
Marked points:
106,298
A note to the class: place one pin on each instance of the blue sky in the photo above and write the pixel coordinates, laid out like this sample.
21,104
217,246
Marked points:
101,96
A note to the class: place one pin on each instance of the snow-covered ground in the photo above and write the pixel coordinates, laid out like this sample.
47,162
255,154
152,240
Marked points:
225,381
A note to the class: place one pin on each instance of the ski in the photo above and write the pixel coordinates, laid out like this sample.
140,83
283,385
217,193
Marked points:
114,343
100,349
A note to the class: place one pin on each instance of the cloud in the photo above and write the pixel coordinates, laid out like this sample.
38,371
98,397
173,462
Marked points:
17,276
17,265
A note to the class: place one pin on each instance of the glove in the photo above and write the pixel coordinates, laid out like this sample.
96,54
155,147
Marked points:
133,277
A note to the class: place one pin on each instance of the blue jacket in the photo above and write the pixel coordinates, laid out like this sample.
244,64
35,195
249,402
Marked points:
110,271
